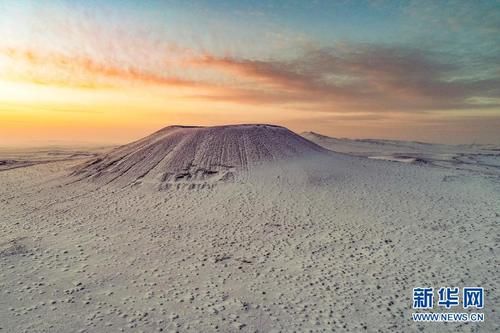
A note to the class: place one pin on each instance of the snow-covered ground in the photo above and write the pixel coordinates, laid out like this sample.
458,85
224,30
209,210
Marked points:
483,159
294,242
11,158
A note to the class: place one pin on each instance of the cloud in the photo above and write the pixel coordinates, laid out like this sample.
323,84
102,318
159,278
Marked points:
94,48
359,77
70,70
364,76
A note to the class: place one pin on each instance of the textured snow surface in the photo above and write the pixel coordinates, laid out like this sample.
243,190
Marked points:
189,154
325,244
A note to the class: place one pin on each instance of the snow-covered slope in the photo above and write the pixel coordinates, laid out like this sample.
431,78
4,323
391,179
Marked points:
188,154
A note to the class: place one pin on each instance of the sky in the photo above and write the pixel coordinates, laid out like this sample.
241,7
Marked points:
99,72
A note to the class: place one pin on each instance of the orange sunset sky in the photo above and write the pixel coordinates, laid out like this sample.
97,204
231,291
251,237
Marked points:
89,72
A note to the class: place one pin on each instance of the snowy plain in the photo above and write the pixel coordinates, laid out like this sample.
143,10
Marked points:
297,239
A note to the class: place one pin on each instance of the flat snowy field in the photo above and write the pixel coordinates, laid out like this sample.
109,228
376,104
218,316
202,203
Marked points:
319,244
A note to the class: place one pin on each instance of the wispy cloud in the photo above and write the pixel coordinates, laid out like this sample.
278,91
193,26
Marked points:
378,77
347,77
66,70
